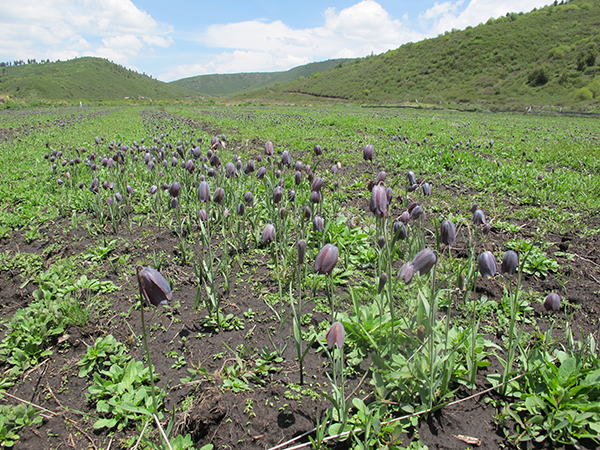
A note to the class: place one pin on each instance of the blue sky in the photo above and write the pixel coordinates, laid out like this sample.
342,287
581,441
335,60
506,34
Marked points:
176,39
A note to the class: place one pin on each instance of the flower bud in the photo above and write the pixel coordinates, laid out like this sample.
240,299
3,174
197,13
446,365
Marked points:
326,259
381,241
317,184
318,150
118,197
218,195
261,172
241,208
307,212
129,190
380,177
291,195
404,217
426,189
202,215
298,178
174,189
487,264
283,212
269,148
510,262
447,232
153,189
230,170
286,159
400,231
478,217
248,198
407,272
301,251
277,194
552,302
368,152
382,280
174,202
154,287
318,224
315,197
203,192
412,179
416,212
336,335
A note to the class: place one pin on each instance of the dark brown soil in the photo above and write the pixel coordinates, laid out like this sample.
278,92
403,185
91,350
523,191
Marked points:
270,413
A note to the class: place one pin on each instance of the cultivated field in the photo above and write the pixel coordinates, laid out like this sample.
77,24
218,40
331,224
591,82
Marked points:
336,277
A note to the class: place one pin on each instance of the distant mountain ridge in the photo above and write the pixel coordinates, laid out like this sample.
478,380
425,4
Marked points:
229,84
87,78
549,57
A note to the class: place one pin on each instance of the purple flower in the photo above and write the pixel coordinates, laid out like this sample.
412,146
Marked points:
368,152
154,287
301,251
203,192
268,234
424,261
174,189
326,259
336,335
552,302
510,262
218,195
447,232
318,224
378,204
269,149
487,264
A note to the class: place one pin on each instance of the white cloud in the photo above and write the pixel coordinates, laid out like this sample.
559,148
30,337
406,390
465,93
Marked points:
63,29
359,30
443,17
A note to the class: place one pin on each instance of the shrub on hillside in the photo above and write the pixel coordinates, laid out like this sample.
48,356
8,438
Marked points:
538,76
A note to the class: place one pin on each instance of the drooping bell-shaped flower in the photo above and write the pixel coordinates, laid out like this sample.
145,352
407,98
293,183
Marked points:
478,217
368,152
487,264
426,188
447,232
286,159
378,204
412,179
326,259
318,225
301,251
336,335
277,194
218,195
268,234
261,172
269,148
203,192
552,302
424,261
318,150
174,189
510,262
248,197
154,287
382,280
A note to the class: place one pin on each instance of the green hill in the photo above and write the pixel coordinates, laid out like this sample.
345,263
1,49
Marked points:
88,78
228,84
548,57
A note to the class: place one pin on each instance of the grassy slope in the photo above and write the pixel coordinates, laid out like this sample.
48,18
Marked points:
87,78
229,84
488,64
